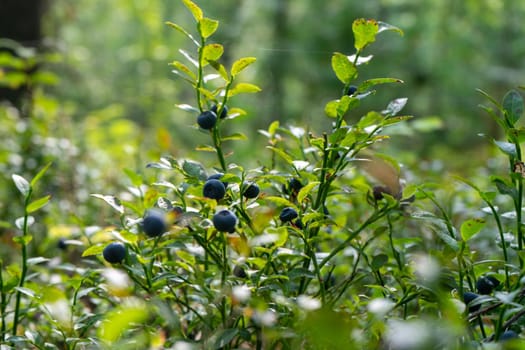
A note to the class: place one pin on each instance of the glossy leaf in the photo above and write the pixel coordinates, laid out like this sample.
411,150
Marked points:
113,201
507,148
21,184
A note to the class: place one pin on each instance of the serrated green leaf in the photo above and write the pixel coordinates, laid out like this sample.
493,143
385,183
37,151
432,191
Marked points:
305,191
181,67
343,68
513,106
241,64
367,84
207,27
194,9
365,31
243,88
93,250
21,184
470,227
212,52
37,204
183,31
113,201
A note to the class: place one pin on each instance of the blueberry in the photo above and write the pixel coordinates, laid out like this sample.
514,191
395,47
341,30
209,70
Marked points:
217,176
288,214
224,112
154,223
207,120
251,191
486,284
224,221
214,189
351,90
62,244
238,271
114,252
508,335
468,297
299,224
294,185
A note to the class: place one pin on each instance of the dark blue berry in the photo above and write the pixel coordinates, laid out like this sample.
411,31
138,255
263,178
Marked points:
351,90
214,189
251,191
207,120
62,244
288,214
154,223
294,185
468,297
508,335
486,284
225,221
218,176
114,252
224,112
238,271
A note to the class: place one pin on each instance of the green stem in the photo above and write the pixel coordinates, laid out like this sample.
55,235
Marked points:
3,304
23,273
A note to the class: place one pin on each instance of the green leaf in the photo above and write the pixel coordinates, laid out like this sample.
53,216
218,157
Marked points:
212,52
194,169
207,27
470,227
113,201
345,104
367,84
118,321
241,64
371,118
282,154
365,31
37,204
194,9
235,137
343,68
93,250
305,191
395,106
379,261
504,188
243,88
40,174
220,69
183,31
181,67
23,240
507,148
513,106
331,108
224,337
22,184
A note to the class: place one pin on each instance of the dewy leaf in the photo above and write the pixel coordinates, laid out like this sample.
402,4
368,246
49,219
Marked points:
513,106
194,9
207,27
22,184
470,227
241,64
113,201
343,68
365,31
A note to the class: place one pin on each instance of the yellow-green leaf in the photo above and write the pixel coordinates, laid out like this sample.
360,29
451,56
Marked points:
183,31
470,227
37,204
119,321
181,67
93,250
243,88
220,69
305,191
365,31
207,27
343,68
212,52
241,64
194,9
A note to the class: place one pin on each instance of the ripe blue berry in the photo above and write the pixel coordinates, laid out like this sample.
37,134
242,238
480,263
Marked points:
288,214
508,335
217,176
468,297
154,223
224,112
486,284
213,189
294,185
207,120
62,244
251,191
351,90
225,221
114,252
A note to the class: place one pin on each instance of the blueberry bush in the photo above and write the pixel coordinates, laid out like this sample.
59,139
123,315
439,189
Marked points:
322,245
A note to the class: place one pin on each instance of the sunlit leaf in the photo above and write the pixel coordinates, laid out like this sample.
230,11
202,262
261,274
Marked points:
194,9
113,201
507,148
343,68
183,31
93,250
37,204
207,27
181,67
243,88
365,31
22,184
39,175
395,106
212,52
306,190
121,319
367,84
385,27
470,227
241,64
